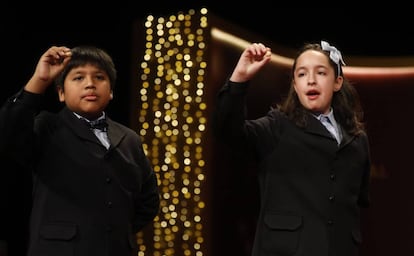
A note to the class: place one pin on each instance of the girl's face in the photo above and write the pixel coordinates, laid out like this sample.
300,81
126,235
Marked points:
86,91
314,81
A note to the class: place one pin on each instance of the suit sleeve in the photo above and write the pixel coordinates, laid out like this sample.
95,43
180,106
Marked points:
149,201
16,126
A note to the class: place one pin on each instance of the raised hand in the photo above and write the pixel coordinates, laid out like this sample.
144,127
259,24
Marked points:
50,64
251,61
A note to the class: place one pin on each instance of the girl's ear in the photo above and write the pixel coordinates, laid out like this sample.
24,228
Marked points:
293,84
338,83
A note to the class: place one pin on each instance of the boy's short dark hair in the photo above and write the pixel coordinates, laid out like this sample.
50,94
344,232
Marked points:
82,55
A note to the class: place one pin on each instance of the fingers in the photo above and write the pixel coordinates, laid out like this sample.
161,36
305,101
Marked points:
56,54
253,58
259,50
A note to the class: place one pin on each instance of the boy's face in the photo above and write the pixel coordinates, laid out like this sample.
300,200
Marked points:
86,91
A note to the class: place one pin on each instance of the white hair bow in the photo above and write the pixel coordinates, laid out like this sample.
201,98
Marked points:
334,53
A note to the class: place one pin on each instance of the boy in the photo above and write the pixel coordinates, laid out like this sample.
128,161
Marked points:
93,187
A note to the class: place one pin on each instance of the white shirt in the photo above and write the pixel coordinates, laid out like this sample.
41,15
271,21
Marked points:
101,135
331,125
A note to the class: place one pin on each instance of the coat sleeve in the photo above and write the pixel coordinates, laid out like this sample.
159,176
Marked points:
148,200
364,197
230,112
231,125
16,140
16,125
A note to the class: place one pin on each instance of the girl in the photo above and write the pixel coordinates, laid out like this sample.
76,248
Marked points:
312,152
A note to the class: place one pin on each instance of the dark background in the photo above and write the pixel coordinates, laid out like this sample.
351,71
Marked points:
28,29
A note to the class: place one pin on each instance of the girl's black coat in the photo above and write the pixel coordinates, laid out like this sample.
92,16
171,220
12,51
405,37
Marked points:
311,189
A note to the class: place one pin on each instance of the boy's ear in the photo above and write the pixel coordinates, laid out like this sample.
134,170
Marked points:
111,95
61,93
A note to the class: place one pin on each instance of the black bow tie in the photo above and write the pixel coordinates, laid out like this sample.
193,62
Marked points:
100,124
